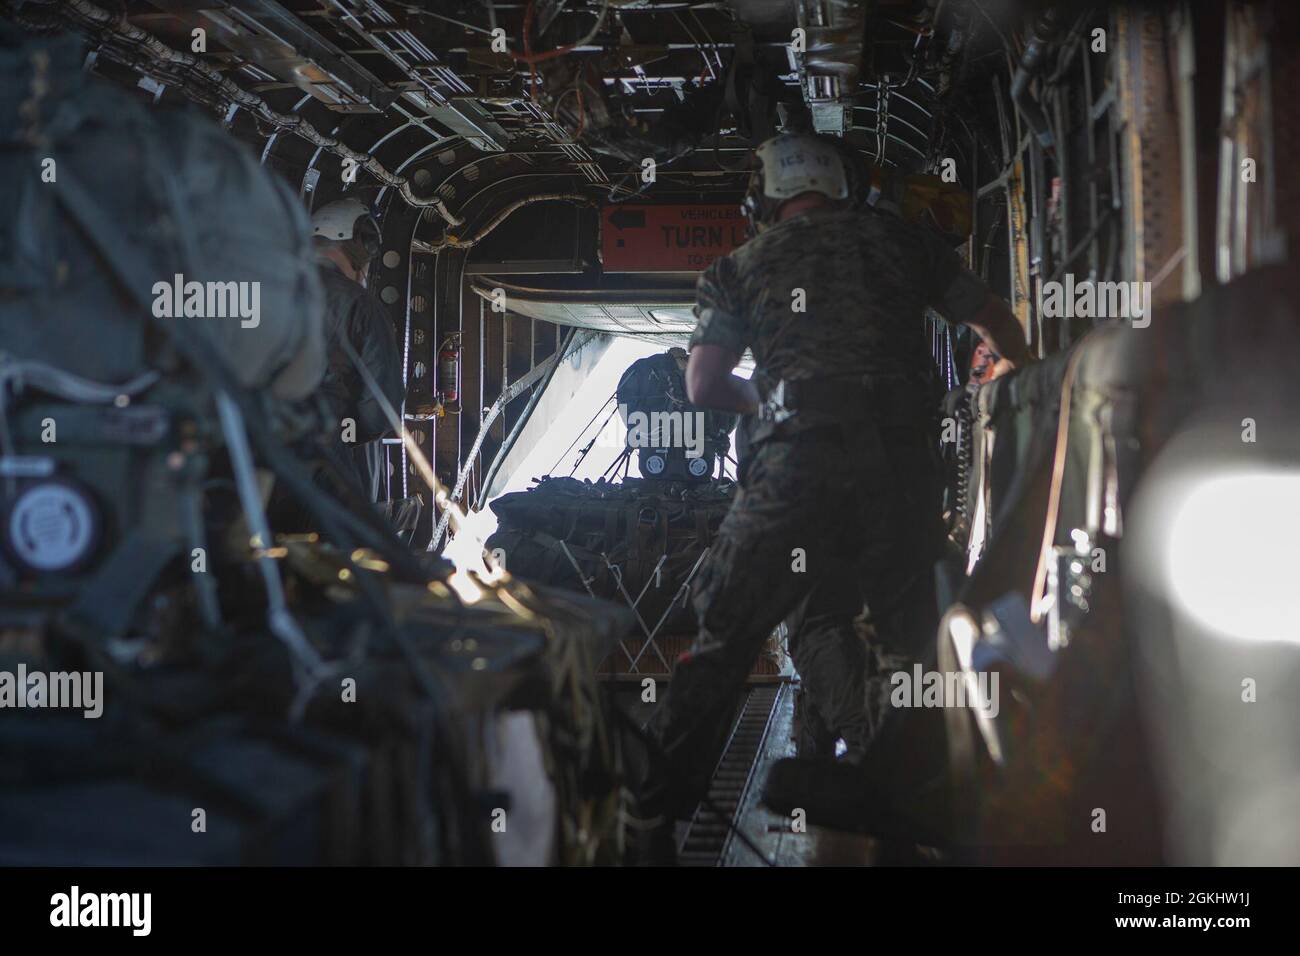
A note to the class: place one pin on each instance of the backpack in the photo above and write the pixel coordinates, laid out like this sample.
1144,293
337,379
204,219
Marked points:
105,427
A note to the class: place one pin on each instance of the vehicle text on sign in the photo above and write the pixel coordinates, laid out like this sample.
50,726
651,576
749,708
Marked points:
668,238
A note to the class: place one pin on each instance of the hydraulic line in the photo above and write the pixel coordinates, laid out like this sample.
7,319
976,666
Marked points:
531,58
452,241
1040,42
102,23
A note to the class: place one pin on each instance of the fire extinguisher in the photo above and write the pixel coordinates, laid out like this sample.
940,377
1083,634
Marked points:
449,371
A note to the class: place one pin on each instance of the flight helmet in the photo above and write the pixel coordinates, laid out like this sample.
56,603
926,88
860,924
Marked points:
344,220
791,164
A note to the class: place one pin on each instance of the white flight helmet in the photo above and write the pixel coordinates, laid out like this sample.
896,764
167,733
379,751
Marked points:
346,219
792,164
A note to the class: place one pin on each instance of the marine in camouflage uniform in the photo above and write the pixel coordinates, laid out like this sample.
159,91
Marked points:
840,503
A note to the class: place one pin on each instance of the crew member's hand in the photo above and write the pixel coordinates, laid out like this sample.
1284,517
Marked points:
1000,368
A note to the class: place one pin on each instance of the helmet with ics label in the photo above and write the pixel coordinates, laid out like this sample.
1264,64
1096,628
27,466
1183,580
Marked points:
790,165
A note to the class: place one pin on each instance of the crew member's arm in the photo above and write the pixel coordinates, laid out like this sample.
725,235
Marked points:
718,342
961,297
997,325
709,381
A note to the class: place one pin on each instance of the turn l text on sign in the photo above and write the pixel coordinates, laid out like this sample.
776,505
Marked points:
679,238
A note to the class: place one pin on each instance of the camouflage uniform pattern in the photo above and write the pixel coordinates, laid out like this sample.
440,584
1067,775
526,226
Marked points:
854,486
865,278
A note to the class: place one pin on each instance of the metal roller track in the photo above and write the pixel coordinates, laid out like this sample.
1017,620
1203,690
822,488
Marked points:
709,831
